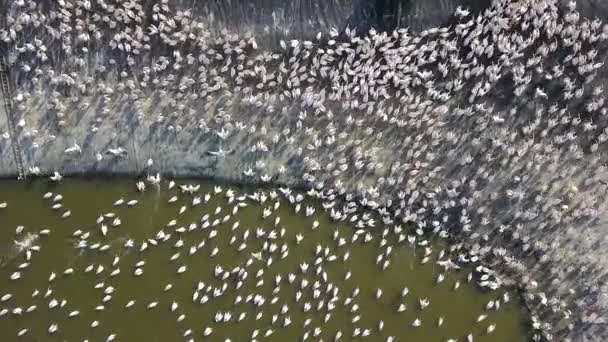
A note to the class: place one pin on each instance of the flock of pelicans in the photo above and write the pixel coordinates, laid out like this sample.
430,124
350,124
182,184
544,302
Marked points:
490,132
310,286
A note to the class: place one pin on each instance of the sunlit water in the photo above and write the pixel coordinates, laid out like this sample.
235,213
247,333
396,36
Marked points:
333,306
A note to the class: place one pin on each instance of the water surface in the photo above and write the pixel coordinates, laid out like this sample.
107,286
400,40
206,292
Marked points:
244,247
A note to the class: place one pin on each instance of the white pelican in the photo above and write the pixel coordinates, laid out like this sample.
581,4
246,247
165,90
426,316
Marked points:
74,149
53,328
56,177
220,152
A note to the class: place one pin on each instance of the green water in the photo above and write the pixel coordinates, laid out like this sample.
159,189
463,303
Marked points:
88,199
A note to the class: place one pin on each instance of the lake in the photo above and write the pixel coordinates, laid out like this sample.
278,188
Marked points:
221,262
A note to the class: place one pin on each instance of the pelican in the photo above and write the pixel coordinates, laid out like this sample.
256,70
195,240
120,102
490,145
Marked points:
155,180
53,328
56,177
74,149
141,186
460,12
220,152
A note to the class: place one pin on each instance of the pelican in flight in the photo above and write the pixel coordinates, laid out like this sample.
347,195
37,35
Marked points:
220,152
73,149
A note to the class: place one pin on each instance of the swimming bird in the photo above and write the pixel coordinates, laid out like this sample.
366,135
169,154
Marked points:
56,177
141,186
53,328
